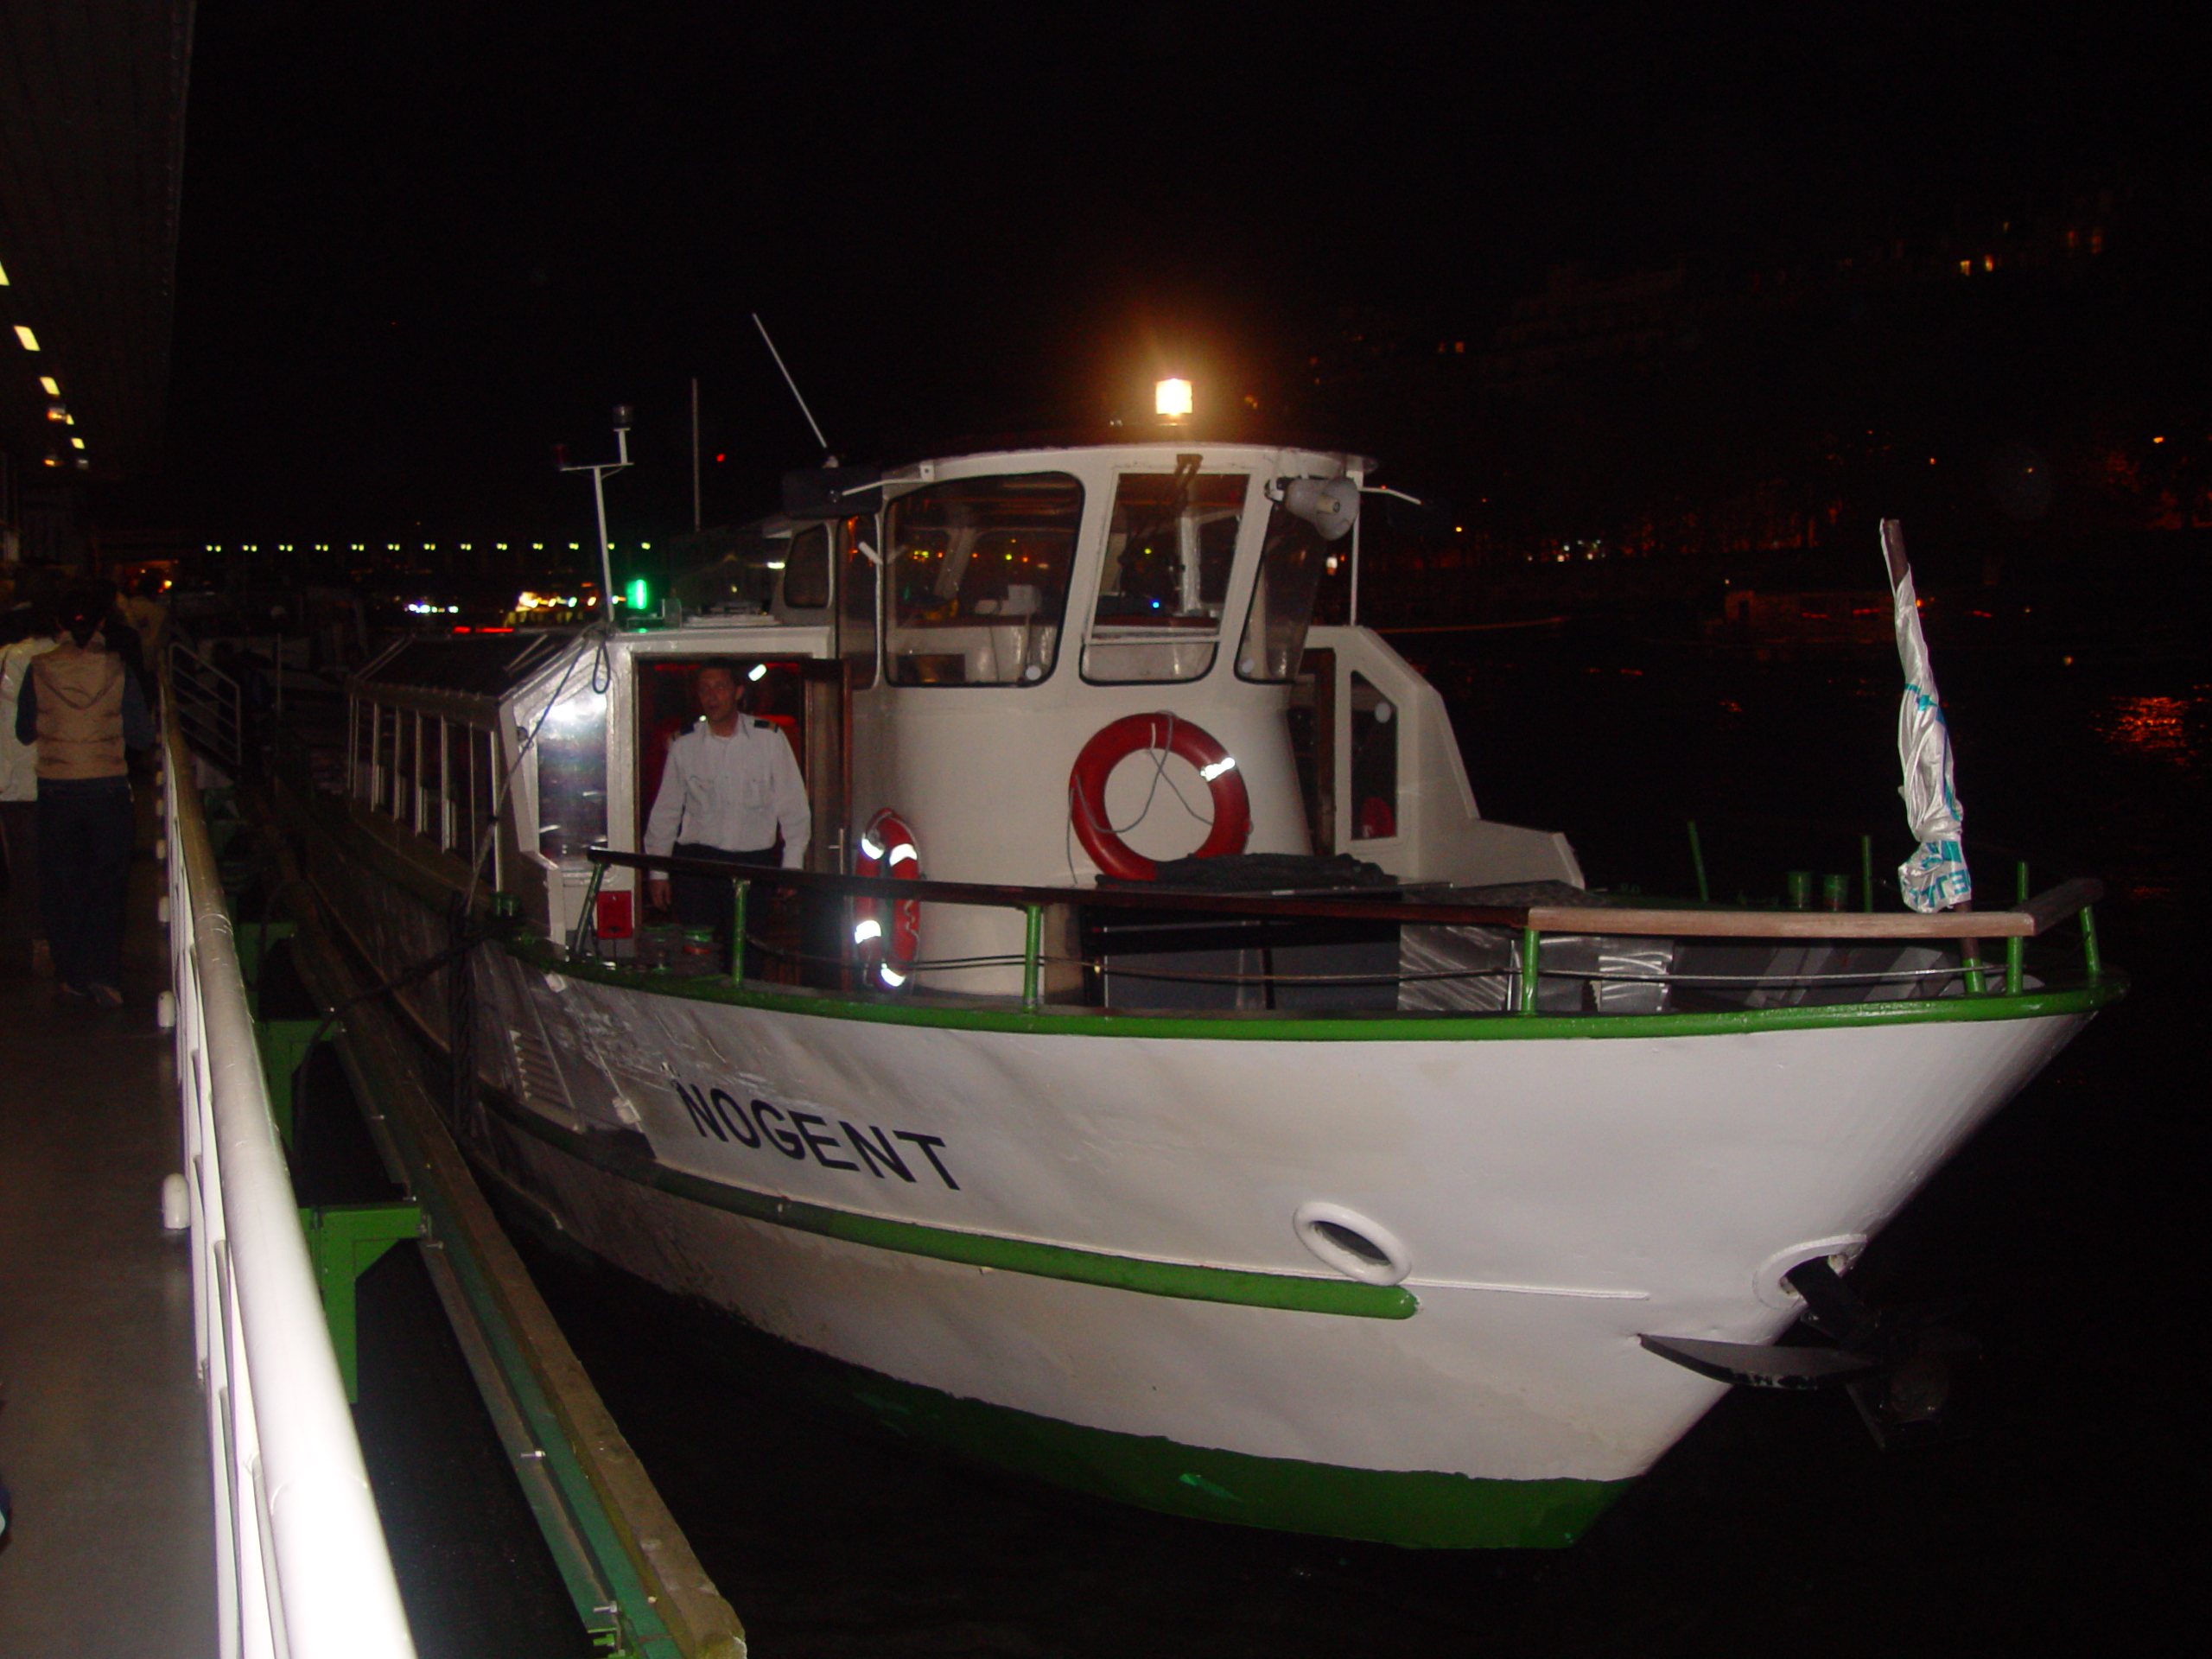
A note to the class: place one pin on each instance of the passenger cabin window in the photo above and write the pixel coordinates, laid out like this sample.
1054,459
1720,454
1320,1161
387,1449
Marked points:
365,749
978,574
1374,762
1170,545
1291,563
572,776
485,799
430,778
459,824
387,757
403,786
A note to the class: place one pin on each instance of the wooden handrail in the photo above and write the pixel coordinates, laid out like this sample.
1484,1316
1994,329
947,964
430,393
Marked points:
2036,916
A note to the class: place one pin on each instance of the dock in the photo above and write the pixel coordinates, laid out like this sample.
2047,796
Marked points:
103,1425
254,1400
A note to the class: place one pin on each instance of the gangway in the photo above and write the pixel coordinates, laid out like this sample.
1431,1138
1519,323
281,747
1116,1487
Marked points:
302,1565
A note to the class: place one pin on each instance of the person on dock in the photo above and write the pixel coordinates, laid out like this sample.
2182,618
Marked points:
731,787
83,707
27,633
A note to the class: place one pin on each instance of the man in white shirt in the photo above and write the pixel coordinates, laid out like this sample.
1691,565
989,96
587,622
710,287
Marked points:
730,788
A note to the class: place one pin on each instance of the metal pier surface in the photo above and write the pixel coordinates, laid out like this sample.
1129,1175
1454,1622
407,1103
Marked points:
174,1404
104,1431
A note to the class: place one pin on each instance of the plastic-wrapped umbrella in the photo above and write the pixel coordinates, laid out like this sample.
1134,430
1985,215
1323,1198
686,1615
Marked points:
1935,877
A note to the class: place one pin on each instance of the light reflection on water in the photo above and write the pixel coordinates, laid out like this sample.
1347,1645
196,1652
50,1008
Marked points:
2157,728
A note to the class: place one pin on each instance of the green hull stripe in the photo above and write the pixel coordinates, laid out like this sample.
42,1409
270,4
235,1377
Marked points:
1187,1281
1421,1510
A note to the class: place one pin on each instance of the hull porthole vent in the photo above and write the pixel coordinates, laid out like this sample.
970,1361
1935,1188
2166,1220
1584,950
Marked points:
1348,1242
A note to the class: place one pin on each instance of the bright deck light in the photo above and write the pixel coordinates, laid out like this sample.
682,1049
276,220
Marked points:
29,340
1172,398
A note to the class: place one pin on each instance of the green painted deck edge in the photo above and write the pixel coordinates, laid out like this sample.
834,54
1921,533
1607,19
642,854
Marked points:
1188,1281
1300,1028
1412,1508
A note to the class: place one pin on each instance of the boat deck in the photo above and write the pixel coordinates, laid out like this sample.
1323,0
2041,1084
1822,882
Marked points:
103,1428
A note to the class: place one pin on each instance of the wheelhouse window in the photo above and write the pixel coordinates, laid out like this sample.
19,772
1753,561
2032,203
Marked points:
978,574
1292,559
857,623
1171,544
806,570
1375,725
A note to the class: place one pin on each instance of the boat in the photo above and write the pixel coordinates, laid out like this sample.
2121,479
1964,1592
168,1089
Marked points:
1162,1078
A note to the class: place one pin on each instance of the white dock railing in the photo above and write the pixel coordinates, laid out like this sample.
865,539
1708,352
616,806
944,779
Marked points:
303,1571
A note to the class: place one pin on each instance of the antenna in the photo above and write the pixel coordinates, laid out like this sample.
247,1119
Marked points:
788,381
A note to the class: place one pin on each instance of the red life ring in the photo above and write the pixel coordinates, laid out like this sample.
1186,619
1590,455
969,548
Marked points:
1114,743
888,847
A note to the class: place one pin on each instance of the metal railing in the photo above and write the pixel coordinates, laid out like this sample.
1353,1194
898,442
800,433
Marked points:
2028,918
209,705
302,1567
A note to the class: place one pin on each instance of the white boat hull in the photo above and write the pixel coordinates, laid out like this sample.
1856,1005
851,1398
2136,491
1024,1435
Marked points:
1555,1196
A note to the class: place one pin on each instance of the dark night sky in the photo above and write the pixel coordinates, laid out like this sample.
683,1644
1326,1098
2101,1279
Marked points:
422,245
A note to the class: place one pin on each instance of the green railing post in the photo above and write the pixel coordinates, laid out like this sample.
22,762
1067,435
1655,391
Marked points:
740,901
1528,970
1866,872
2016,947
2093,958
1033,951
343,1242
1697,862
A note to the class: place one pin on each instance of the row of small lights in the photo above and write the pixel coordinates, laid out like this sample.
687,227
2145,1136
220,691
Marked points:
396,547
56,410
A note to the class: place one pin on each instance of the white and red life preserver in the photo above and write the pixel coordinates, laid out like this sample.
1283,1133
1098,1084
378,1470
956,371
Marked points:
887,952
1114,743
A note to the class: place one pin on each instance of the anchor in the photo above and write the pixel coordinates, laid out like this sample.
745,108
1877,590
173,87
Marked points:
1896,1367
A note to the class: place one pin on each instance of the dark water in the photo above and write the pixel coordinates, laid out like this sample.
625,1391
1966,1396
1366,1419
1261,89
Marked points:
2065,1236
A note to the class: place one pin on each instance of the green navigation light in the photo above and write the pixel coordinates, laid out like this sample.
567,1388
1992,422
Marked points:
637,596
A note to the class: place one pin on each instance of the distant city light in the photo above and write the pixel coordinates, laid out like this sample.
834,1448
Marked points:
77,443
53,387
4,276
29,340
1171,398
